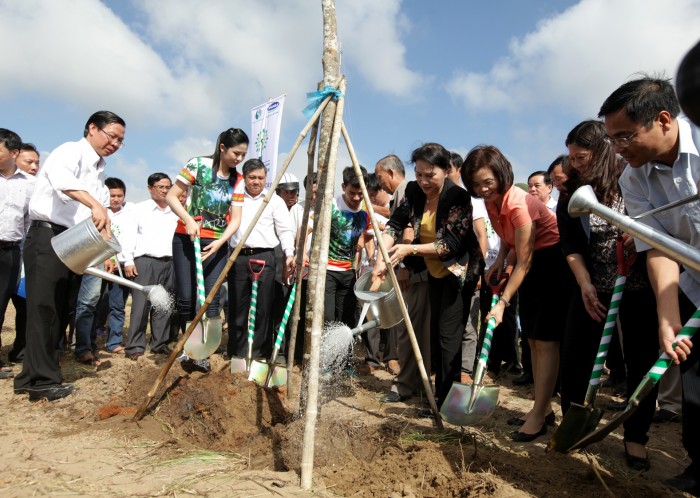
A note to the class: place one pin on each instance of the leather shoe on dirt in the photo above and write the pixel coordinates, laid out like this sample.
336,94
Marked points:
394,397
663,416
523,380
49,393
686,482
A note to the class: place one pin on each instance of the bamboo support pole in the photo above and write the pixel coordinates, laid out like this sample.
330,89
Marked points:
322,232
181,343
301,251
394,282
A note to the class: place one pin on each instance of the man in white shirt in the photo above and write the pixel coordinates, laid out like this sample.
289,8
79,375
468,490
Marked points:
123,227
69,189
27,161
149,261
539,185
273,228
15,191
663,165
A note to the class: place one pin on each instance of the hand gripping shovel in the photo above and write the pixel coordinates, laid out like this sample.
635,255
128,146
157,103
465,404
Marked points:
644,388
268,374
469,404
581,420
206,336
240,365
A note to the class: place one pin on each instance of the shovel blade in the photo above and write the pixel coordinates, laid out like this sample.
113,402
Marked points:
578,422
205,339
455,408
238,365
260,370
602,432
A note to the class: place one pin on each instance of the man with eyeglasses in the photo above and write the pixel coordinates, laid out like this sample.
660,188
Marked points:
642,123
69,188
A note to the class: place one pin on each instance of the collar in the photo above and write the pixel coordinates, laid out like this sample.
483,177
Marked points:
262,194
91,155
16,172
154,206
685,134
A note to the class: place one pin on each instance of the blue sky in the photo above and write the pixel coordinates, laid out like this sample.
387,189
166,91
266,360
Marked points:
515,74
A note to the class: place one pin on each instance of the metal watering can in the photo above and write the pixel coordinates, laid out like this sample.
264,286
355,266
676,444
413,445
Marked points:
81,247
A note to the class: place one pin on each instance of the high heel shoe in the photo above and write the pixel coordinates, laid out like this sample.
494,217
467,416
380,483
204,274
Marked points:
524,437
635,462
549,419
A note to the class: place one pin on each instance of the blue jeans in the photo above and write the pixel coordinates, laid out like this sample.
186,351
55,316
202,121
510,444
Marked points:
85,313
115,320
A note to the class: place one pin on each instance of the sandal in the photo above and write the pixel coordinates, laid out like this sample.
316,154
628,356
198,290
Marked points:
89,360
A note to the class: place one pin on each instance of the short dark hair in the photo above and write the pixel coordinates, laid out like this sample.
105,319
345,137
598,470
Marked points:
102,119
373,183
392,162
253,164
433,154
456,161
643,99
559,160
27,147
545,175
314,179
10,139
228,138
111,183
487,156
156,177
350,178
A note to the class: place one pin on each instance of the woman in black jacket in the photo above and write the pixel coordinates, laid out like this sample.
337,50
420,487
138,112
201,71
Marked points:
440,213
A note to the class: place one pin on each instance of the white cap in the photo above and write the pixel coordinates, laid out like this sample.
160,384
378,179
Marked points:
288,182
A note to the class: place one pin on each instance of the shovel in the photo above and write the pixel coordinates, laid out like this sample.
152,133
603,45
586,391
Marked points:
581,420
469,404
242,365
206,336
645,387
268,374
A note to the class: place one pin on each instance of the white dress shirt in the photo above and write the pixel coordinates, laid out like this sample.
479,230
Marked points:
154,230
71,166
654,185
15,192
274,226
124,229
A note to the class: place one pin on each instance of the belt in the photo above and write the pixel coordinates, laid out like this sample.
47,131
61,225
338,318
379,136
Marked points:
48,224
162,258
9,244
249,251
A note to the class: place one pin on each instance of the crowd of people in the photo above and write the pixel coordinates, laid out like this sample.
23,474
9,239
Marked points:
461,236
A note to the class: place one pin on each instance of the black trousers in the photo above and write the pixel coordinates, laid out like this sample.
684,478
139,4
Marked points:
449,311
10,263
641,349
48,283
690,378
151,271
240,284
340,300
17,352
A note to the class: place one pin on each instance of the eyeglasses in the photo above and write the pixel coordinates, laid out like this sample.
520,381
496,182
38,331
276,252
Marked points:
162,188
113,138
621,142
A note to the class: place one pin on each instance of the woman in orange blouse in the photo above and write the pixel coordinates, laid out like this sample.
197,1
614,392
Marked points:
528,231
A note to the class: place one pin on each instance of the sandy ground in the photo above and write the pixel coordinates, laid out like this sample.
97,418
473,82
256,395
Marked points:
220,435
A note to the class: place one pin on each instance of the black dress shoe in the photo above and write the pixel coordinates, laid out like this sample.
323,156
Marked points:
663,416
524,437
635,462
523,380
134,356
394,397
49,393
687,482
165,350
549,419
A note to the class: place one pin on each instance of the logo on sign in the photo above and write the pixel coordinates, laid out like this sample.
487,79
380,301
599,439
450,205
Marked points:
273,106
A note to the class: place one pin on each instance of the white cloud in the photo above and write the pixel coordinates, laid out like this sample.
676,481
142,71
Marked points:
577,58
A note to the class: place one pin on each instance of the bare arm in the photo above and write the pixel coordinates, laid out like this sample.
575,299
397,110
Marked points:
173,199
588,292
664,275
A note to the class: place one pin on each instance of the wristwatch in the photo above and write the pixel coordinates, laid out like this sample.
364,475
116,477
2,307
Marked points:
414,249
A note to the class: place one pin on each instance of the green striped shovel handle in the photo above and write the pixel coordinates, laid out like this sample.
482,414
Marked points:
488,336
201,294
251,315
665,360
285,317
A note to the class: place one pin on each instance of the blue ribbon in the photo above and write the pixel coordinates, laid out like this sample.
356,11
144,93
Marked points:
314,99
